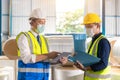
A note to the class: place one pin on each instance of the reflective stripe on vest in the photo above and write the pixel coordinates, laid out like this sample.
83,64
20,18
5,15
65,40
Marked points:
102,74
33,70
97,75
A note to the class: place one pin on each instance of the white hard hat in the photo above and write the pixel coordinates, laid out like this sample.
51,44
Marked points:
36,13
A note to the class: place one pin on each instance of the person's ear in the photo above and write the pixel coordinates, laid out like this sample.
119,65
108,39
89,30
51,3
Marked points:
98,26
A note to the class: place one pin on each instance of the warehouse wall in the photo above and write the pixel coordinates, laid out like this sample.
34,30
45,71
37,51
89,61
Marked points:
112,17
16,14
20,14
5,19
93,6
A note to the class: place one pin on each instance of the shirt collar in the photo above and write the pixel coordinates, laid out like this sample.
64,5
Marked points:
96,36
34,33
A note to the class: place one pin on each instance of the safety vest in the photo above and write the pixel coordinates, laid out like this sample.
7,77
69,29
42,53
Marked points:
98,75
38,70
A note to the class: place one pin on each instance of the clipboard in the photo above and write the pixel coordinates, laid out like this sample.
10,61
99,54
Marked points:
84,58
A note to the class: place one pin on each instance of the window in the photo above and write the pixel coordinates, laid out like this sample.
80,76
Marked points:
69,16
63,16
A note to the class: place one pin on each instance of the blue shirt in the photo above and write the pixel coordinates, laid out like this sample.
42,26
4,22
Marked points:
103,53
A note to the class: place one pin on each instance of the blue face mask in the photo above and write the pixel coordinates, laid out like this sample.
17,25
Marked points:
40,28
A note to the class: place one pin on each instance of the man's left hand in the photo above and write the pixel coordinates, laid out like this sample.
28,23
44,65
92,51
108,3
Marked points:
79,65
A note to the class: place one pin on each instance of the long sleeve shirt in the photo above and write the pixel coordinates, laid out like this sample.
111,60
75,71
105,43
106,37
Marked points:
23,45
103,53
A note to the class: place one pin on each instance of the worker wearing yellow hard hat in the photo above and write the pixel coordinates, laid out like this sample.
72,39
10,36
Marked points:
99,47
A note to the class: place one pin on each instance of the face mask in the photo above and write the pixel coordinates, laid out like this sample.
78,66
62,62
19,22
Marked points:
90,32
40,28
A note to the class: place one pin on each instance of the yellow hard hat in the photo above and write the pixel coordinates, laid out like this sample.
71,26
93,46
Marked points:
91,18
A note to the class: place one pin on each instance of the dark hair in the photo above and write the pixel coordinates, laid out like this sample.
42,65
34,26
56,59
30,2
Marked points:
32,18
98,24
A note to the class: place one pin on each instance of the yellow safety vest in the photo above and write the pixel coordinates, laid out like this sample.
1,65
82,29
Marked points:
34,45
98,75
38,70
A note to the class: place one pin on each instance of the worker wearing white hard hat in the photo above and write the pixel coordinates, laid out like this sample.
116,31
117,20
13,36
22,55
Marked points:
33,50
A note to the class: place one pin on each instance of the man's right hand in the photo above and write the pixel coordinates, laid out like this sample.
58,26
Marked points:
53,54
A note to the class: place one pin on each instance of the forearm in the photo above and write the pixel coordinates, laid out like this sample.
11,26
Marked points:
41,57
49,55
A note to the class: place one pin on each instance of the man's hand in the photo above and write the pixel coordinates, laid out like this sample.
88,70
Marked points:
53,54
79,65
64,60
